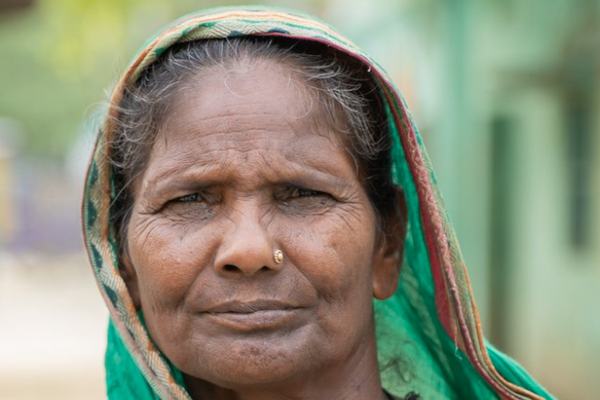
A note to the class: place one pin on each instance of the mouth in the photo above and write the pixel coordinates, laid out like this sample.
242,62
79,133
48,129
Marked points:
254,315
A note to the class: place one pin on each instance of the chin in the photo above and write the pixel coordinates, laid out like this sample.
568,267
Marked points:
257,364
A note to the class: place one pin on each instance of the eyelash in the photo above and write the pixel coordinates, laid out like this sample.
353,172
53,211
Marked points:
292,192
188,198
301,192
197,197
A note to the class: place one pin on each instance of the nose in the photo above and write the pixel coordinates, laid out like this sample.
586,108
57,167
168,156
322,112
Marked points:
246,248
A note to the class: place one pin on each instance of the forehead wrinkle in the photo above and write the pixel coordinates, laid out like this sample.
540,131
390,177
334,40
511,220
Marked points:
240,127
227,160
310,110
270,167
242,141
313,121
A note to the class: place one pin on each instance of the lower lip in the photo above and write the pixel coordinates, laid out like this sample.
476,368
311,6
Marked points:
258,320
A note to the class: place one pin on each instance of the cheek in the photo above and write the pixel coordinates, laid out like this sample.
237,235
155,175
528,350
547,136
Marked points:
337,262
167,258
335,255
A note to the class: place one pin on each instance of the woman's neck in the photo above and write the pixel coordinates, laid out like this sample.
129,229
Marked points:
356,377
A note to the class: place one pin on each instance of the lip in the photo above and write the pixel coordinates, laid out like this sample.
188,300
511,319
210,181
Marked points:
254,315
248,307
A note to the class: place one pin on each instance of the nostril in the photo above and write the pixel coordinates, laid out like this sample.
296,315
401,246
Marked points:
230,268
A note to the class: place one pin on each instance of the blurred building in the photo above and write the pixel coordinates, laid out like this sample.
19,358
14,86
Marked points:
10,139
6,208
7,219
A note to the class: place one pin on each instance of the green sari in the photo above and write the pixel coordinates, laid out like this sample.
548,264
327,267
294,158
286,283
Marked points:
431,321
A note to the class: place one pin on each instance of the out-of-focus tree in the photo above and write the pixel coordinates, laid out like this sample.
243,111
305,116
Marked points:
59,56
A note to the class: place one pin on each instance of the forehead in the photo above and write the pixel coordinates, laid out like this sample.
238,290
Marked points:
249,107
249,85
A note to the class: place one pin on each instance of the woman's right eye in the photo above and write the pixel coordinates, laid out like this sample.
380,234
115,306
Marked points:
189,198
191,208
208,198
195,200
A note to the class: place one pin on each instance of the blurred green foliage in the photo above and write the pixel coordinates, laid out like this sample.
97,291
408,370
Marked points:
58,58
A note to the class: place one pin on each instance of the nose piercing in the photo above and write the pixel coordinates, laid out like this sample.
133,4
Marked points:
278,256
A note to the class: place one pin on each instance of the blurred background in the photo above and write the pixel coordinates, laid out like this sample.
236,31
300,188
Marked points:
506,94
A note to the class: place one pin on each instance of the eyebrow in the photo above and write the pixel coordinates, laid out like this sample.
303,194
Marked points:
184,179
199,178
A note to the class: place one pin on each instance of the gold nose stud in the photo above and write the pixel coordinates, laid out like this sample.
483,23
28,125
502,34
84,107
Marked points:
278,256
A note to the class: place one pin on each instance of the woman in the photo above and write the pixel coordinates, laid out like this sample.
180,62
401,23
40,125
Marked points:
256,183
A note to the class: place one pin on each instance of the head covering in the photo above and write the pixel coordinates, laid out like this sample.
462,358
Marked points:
431,321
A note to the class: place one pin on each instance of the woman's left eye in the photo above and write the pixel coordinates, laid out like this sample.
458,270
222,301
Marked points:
300,192
303,196
300,201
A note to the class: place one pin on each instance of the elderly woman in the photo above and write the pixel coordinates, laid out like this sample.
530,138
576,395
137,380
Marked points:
264,224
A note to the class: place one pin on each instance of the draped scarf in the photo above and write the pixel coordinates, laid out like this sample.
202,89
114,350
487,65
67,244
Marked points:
431,321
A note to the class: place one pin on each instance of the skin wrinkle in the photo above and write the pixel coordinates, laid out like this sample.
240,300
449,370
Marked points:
314,274
318,109
304,75
319,72
157,180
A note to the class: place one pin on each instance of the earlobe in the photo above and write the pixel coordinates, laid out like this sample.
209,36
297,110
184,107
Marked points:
130,277
388,259
385,276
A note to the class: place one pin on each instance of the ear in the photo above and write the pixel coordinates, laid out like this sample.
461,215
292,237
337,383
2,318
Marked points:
130,277
390,250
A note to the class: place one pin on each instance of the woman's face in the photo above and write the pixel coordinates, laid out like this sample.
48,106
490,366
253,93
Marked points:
247,164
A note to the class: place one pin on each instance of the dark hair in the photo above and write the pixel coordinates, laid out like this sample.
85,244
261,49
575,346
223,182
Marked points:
343,85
